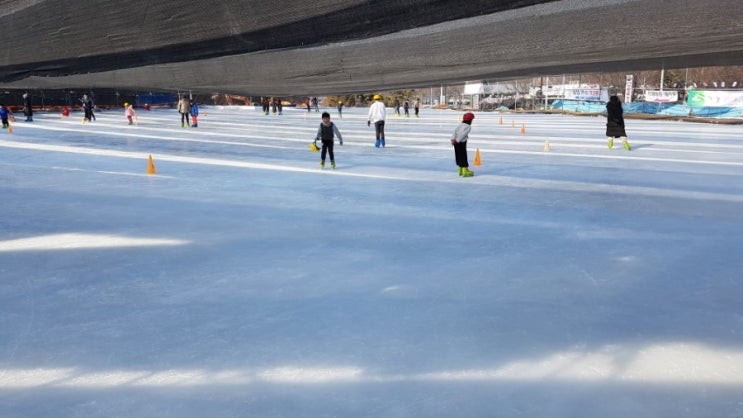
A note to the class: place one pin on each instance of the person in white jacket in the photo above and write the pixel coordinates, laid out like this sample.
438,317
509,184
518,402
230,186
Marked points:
459,140
184,108
377,113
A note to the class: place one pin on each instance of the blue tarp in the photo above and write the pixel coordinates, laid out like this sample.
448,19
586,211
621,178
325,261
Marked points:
650,108
718,112
579,106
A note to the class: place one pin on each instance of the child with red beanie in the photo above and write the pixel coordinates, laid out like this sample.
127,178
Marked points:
459,140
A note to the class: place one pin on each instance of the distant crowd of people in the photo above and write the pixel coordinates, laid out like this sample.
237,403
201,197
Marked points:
328,131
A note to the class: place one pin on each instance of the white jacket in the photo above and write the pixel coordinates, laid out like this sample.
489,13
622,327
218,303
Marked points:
377,111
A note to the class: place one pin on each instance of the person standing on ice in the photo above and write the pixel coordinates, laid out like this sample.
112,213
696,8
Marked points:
416,107
6,114
615,122
315,104
184,108
459,141
377,114
87,108
325,133
129,113
27,108
194,114
274,105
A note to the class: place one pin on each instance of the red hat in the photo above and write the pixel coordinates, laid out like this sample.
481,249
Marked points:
468,117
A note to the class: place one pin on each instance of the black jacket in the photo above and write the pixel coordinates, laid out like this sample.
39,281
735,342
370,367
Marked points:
614,118
27,110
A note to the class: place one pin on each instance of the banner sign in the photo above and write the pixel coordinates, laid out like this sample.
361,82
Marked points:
665,96
714,98
628,88
587,94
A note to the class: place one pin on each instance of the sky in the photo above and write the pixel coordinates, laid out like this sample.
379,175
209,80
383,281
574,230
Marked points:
242,280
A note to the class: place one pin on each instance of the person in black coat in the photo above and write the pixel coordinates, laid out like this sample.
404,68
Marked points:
87,108
615,122
27,109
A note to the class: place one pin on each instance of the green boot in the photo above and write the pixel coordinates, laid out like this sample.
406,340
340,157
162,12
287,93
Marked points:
466,172
611,143
461,172
626,145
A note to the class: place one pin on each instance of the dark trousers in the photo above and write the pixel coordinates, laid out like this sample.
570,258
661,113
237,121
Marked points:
184,119
460,154
327,147
379,129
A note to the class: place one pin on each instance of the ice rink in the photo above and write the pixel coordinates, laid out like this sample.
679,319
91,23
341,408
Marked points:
241,280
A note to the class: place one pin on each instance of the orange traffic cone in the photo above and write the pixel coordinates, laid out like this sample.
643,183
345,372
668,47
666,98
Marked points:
500,120
477,157
523,129
10,128
513,124
150,166
547,145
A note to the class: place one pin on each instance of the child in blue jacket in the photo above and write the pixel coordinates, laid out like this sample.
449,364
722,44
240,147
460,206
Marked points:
6,114
194,114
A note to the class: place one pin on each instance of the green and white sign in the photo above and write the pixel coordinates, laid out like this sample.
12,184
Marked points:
712,98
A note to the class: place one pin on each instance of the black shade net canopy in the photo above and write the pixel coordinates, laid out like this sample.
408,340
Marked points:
285,47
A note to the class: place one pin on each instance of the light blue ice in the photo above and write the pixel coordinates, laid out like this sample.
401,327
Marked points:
241,280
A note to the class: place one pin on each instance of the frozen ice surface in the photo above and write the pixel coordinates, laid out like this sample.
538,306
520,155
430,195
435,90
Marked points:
242,280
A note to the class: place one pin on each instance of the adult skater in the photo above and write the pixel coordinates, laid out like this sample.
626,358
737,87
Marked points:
416,107
87,108
459,141
27,108
184,108
615,122
377,114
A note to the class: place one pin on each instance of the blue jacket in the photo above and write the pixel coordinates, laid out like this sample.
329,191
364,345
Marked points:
195,109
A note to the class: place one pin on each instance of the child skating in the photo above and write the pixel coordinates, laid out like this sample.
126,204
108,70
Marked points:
459,141
6,114
129,113
325,133
194,114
